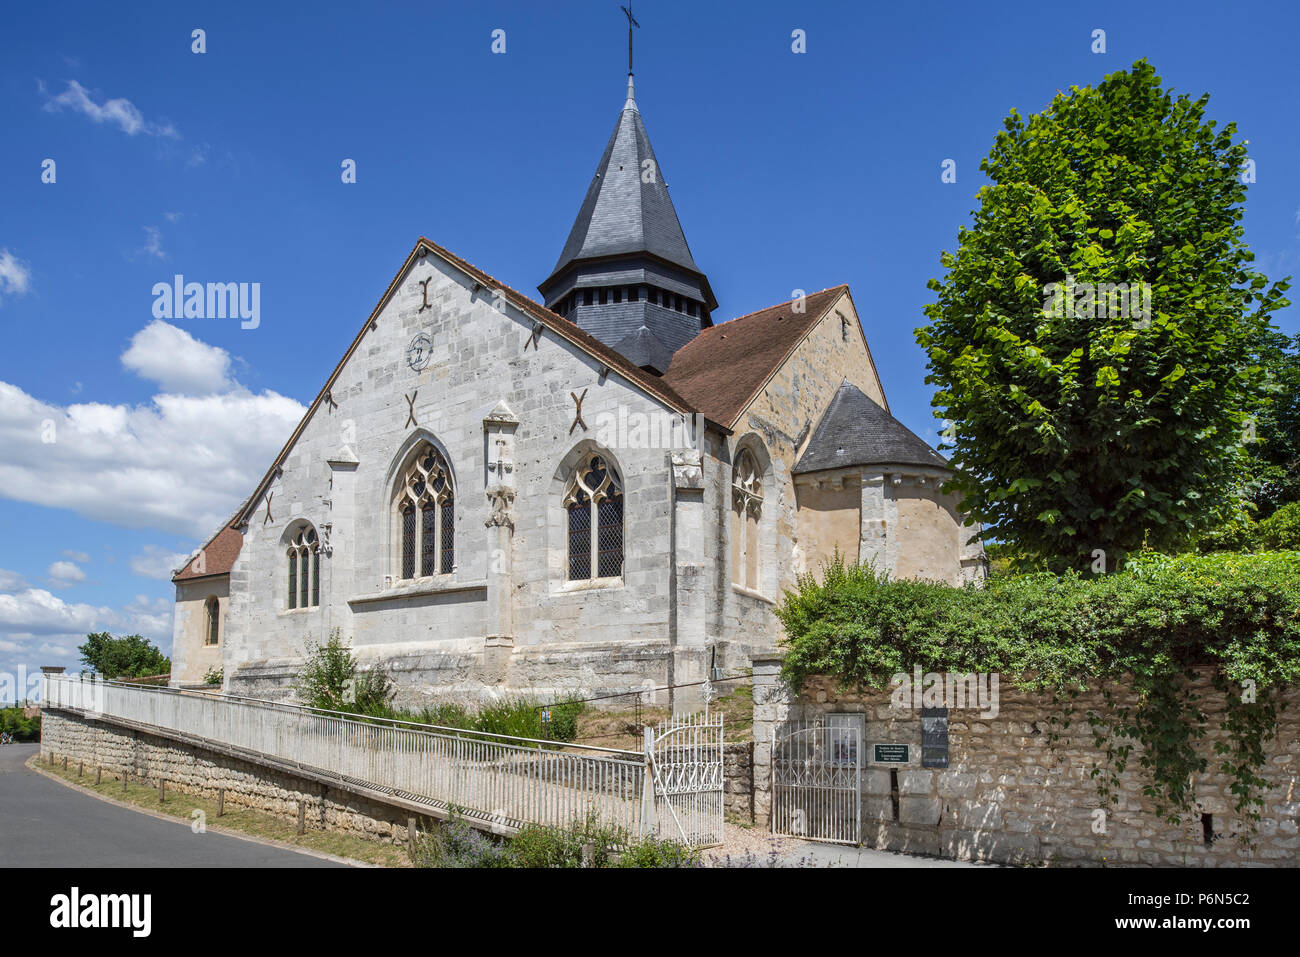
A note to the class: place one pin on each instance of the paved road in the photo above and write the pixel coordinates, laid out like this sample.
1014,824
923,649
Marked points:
45,824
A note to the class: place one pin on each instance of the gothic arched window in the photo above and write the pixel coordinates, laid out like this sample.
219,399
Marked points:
426,515
212,621
746,510
593,502
304,568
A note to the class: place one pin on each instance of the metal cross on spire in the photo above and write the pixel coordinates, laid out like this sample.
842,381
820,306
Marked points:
631,22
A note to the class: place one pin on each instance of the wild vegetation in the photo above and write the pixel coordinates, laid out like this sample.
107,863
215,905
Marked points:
332,680
584,843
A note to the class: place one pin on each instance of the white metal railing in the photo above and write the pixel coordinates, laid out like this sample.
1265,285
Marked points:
505,780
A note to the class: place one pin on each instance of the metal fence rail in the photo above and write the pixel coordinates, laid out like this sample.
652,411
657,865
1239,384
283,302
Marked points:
511,781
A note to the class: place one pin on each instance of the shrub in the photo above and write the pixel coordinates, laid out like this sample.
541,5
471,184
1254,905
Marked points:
327,674
1281,529
455,844
583,843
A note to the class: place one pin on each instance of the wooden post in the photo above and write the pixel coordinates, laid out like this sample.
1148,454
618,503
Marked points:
99,774
124,780
65,762
221,801
410,833
302,817
81,768
162,790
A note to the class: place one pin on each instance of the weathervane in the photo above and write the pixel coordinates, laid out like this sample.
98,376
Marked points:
631,22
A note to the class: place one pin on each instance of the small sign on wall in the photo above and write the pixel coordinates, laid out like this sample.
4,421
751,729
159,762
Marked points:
934,737
892,753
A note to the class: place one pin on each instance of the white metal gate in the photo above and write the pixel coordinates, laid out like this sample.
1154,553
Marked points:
817,779
684,780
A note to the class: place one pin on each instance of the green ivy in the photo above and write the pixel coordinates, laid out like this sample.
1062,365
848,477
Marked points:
1145,627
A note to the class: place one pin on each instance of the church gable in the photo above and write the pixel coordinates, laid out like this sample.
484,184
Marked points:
530,317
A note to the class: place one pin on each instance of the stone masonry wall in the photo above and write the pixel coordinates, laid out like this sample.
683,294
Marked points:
738,775
192,770
1009,795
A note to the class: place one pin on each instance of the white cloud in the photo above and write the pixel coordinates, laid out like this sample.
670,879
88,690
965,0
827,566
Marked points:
15,277
38,628
66,573
79,557
181,364
119,112
180,463
11,582
35,611
158,562
153,243
172,217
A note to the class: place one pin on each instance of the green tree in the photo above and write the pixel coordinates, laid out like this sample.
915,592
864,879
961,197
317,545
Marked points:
130,656
1081,424
1276,451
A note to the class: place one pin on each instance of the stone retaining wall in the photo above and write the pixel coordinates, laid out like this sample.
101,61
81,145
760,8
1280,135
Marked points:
1008,794
190,769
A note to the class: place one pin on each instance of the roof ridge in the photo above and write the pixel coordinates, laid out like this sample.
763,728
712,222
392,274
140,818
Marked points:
774,305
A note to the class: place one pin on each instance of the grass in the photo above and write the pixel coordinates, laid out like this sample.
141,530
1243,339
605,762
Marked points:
619,728
242,820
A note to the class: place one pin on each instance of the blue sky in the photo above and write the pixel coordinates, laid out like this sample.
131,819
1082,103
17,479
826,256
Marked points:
789,171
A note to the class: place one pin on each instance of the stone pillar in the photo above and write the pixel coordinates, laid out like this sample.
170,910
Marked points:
336,532
771,703
879,541
499,624
690,636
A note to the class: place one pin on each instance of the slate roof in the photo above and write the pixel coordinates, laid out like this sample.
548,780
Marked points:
622,213
725,366
856,431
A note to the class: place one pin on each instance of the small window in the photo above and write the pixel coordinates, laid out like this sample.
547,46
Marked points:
604,297
594,503
304,569
844,329
426,516
213,621
618,293
678,307
634,294
586,297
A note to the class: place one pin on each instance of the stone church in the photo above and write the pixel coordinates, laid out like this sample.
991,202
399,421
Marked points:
599,492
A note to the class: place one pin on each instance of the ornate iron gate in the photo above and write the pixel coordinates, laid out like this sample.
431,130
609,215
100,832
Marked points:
817,779
684,780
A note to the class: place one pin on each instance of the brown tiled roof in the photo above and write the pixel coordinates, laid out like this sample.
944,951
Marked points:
219,556
558,324
722,369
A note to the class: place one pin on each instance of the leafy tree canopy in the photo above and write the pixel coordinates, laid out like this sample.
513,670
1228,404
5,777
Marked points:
1099,342
130,656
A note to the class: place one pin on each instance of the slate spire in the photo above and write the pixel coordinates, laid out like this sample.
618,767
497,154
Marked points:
626,273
